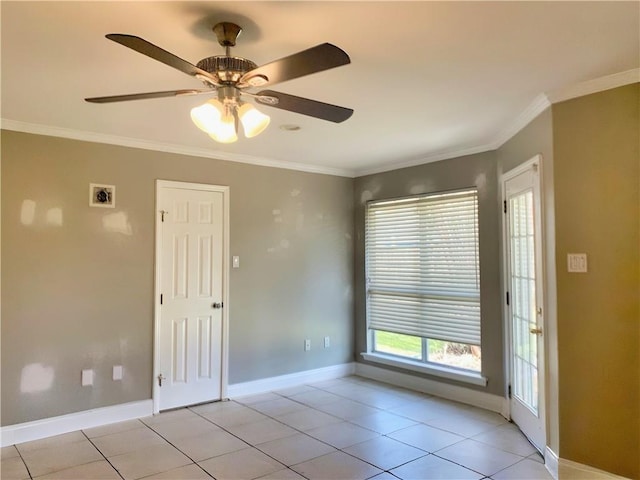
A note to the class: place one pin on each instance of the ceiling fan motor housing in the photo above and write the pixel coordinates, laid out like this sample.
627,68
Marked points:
227,70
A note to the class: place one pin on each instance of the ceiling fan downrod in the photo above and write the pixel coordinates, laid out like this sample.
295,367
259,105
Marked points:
227,34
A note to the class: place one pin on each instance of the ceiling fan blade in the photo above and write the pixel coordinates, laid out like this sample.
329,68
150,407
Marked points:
144,96
315,59
305,106
140,45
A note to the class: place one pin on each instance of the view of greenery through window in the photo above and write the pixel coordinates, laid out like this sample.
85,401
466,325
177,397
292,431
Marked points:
437,351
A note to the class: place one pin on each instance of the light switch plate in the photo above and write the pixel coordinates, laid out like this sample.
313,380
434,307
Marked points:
577,262
117,372
236,261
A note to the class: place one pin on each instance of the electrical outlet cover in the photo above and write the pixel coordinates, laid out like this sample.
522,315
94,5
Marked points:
87,377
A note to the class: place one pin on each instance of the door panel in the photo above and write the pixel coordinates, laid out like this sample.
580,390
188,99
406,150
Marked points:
204,347
190,327
179,351
180,266
205,266
525,286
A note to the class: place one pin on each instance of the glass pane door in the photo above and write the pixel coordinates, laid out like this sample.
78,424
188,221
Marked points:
523,298
525,285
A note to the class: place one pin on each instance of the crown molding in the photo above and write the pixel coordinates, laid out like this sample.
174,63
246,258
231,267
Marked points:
545,100
535,108
24,127
436,157
594,86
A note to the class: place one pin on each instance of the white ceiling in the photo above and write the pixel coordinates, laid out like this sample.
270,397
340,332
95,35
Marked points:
428,80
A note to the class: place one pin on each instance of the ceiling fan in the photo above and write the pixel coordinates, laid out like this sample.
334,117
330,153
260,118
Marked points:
232,77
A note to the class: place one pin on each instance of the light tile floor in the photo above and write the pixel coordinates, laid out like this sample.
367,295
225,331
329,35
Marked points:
347,429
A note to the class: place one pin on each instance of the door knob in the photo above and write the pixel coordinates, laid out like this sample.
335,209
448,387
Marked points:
217,305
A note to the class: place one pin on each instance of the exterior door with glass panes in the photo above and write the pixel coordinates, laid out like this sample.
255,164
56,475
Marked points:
524,296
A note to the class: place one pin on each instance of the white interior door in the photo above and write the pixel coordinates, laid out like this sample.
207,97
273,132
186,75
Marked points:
190,323
525,293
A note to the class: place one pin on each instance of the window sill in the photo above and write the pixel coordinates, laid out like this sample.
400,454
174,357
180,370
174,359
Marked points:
435,370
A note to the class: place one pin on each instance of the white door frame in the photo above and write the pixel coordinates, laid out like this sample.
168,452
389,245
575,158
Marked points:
529,164
157,287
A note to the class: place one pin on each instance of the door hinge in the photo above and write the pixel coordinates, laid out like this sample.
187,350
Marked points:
509,391
160,299
507,298
505,206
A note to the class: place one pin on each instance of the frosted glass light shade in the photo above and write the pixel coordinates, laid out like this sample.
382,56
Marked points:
253,121
226,130
207,117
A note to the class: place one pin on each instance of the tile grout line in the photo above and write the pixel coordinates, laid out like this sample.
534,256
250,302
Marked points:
174,446
304,433
315,409
344,420
427,453
242,440
293,428
103,455
23,462
464,438
332,446
386,410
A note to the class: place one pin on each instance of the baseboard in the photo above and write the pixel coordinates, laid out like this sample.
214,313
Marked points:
488,401
551,462
47,427
569,470
290,380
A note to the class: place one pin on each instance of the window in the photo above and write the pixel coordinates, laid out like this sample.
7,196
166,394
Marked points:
423,279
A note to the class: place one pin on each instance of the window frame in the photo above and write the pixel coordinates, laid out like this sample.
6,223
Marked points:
422,365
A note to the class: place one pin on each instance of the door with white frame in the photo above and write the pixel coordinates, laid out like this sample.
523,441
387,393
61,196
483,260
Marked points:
191,290
525,302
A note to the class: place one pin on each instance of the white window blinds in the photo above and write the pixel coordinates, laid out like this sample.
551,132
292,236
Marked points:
422,266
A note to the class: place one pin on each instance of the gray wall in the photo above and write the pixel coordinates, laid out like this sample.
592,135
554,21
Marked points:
77,295
537,138
474,170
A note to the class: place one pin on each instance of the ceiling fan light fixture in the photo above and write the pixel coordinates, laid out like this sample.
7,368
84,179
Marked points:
253,121
228,76
208,116
226,130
